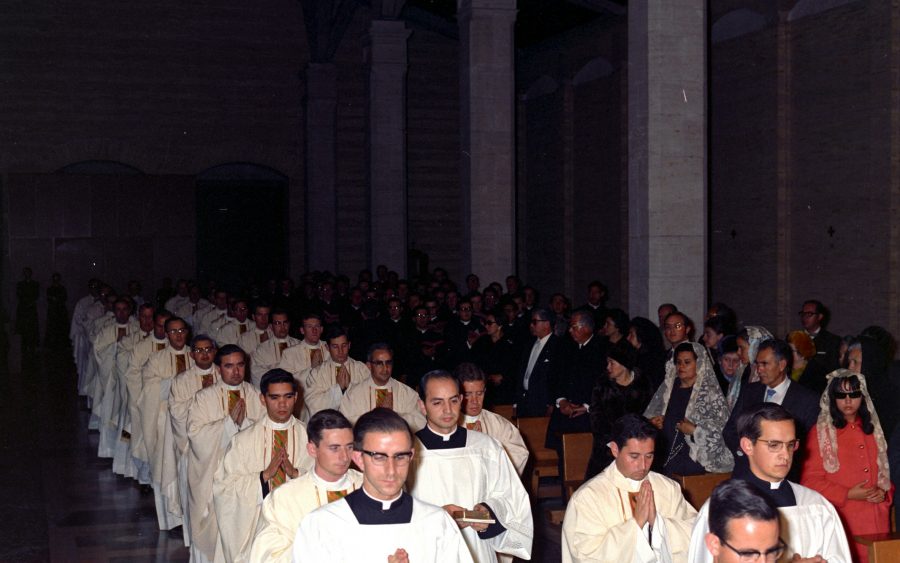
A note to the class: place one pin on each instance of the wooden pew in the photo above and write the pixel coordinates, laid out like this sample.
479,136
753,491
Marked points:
576,454
544,462
506,411
697,488
883,548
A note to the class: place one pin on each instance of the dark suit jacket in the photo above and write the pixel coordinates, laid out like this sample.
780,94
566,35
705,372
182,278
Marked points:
799,401
545,374
828,350
583,368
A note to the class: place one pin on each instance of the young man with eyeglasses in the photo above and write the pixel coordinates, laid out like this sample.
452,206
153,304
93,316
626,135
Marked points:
268,354
774,360
380,522
380,389
744,525
259,460
157,376
768,439
331,479
465,471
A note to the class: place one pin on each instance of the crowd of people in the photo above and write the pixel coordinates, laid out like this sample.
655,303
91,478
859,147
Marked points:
279,423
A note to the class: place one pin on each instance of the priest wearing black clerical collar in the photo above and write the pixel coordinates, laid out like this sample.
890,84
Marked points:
469,471
768,438
380,522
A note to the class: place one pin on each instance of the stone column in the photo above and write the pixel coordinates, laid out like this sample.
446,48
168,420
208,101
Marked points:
667,169
387,143
487,159
321,202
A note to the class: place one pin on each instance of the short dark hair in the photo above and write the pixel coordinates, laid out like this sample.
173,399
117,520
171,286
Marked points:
279,311
669,305
144,306
307,316
736,498
631,426
160,313
542,313
334,331
173,319
435,374
328,419
227,350
749,422
782,351
467,371
620,319
378,419
200,337
277,375
376,347
262,304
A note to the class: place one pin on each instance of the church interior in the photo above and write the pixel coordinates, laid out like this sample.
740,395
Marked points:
684,151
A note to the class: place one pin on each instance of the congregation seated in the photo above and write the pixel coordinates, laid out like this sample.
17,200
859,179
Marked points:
182,415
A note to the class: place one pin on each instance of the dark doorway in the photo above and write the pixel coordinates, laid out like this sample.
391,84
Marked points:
241,226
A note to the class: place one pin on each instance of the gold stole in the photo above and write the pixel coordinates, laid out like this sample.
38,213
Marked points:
180,363
233,397
120,333
242,328
279,442
207,379
315,357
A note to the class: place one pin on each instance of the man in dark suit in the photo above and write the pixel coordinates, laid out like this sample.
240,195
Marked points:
539,368
774,361
585,363
814,317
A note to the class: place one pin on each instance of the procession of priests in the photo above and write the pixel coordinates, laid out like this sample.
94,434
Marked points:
259,446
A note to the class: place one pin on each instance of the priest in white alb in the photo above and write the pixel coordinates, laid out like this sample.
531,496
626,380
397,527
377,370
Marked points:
463,470
326,384
157,377
134,380
261,331
627,513
240,324
476,417
382,390
216,414
380,522
106,403
268,354
260,459
213,314
186,384
330,446
311,351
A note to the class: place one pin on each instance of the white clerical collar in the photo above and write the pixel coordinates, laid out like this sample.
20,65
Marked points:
444,437
631,485
471,419
385,504
280,340
207,371
775,485
316,345
340,483
231,387
258,331
122,325
280,425
814,333
160,340
466,323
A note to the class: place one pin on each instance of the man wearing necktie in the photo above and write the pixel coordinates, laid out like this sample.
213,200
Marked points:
773,364
540,368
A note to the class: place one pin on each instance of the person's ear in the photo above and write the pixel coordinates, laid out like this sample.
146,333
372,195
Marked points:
713,544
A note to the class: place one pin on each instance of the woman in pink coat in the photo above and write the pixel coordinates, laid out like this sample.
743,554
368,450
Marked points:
847,458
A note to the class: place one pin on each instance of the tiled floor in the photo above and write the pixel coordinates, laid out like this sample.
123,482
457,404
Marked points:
59,502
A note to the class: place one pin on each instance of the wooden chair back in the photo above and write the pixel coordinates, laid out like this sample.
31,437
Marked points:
506,411
697,488
883,548
544,462
576,454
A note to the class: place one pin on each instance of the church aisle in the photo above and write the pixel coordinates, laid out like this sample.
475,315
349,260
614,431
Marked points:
60,501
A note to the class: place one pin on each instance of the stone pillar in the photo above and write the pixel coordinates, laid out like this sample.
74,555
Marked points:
667,169
321,201
487,159
387,143
784,302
